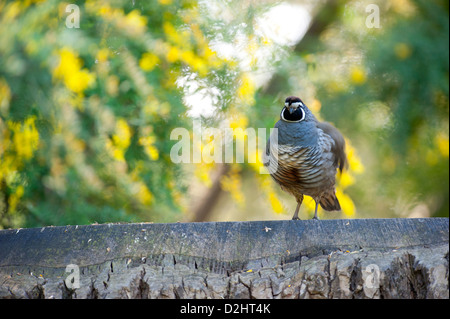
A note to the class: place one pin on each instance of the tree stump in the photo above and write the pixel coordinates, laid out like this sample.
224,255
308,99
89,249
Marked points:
355,258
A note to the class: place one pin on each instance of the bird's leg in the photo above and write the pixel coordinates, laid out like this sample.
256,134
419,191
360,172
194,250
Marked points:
315,212
299,203
295,217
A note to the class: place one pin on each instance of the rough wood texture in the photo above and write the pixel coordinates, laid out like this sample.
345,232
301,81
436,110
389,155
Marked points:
366,258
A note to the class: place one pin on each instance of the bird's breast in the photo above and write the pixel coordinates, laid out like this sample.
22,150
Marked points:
300,169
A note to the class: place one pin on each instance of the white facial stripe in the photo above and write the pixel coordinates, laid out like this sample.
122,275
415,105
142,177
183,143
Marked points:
286,104
303,115
297,104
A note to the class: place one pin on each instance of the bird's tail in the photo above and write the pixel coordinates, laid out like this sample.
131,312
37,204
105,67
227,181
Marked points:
330,202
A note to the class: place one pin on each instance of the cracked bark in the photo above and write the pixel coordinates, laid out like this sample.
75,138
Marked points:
296,259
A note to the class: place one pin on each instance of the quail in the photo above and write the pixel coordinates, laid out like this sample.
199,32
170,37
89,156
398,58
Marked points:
305,156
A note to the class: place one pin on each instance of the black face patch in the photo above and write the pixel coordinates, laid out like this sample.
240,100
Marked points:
297,116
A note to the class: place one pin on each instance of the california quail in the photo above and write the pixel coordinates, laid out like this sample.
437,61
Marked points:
306,156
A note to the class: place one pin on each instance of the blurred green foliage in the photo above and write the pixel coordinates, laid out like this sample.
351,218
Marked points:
387,90
86,113
399,113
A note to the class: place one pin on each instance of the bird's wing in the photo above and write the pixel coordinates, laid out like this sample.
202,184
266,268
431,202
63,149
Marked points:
338,147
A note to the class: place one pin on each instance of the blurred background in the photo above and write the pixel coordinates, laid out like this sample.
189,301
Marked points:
91,90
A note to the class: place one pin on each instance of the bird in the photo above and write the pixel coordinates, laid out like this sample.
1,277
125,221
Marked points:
303,156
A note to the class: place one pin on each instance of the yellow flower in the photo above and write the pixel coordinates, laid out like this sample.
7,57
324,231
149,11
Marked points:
15,197
358,75
202,173
172,34
123,134
11,11
232,183
148,61
173,54
148,143
315,106
200,66
347,205
275,203
346,179
134,22
246,89
197,64
70,72
354,161
68,63
152,152
337,86
79,81
266,41
203,177
18,142
120,141
144,195
238,120
25,137
5,95
309,203
403,7
104,10
102,55
115,152
165,2
442,142
267,187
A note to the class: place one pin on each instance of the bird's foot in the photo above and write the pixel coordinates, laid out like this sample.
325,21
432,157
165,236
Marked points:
296,218
315,218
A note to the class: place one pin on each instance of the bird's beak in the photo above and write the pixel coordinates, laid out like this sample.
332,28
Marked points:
291,109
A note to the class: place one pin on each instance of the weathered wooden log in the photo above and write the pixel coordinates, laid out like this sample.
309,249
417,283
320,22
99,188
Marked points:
360,258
